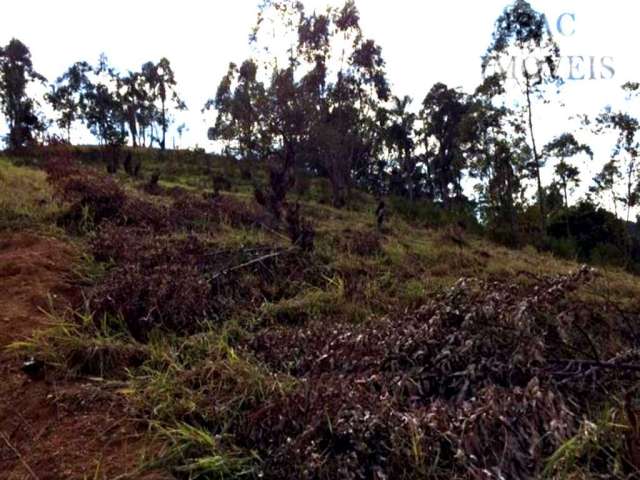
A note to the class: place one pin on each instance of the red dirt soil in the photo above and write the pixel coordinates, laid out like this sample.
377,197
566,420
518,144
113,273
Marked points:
52,429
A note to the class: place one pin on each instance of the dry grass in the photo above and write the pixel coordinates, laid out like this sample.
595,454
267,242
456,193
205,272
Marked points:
26,200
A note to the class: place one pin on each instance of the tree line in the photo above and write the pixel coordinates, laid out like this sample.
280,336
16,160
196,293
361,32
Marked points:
314,100
114,106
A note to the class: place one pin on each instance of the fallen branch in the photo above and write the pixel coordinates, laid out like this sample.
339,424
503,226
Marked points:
19,455
261,259
597,364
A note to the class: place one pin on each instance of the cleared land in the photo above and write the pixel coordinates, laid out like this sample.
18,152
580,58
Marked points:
201,344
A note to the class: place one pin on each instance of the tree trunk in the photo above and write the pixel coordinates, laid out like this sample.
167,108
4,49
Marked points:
566,206
536,158
133,128
629,188
164,126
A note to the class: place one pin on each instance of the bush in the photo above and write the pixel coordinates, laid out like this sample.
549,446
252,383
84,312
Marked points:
596,233
60,168
178,283
193,213
434,215
608,254
172,296
359,242
94,199
563,247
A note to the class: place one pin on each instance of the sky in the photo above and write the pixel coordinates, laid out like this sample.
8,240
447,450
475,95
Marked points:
423,42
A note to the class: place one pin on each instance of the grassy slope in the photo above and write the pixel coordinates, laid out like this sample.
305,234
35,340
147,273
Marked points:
25,198
59,428
368,276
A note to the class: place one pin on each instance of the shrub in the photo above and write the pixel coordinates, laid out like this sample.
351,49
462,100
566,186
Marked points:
608,254
597,234
59,168
433,215
172,296
140,213
563,247
193,213
178,283
96,198
92,196
359,242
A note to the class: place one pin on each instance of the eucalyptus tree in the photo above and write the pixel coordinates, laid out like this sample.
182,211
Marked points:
565,147
132,99
258,121
522,34
102,108
311,105
626,150
141,94
444,115
625,155
400,141
96,96
103,114
497,155
161,86
605,182
240,103
68,95
16,74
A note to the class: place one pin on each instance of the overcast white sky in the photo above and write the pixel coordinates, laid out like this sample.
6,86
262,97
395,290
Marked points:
423,42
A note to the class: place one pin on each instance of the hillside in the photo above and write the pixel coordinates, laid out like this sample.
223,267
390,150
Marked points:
216,348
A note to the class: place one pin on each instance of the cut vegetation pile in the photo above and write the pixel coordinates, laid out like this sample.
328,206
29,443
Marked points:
487,381
167,270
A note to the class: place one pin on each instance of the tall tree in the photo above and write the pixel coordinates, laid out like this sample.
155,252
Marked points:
497,157
525,31
16,73
140,94
400,141
239,101
347,122
605,181
102,109
444,115
314,106
67,96
626,149
564,148
162,85
133,99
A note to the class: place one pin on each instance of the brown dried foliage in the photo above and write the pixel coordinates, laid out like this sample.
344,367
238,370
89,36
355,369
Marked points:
473,385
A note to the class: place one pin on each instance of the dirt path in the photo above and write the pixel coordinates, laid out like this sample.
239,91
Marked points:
52,429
